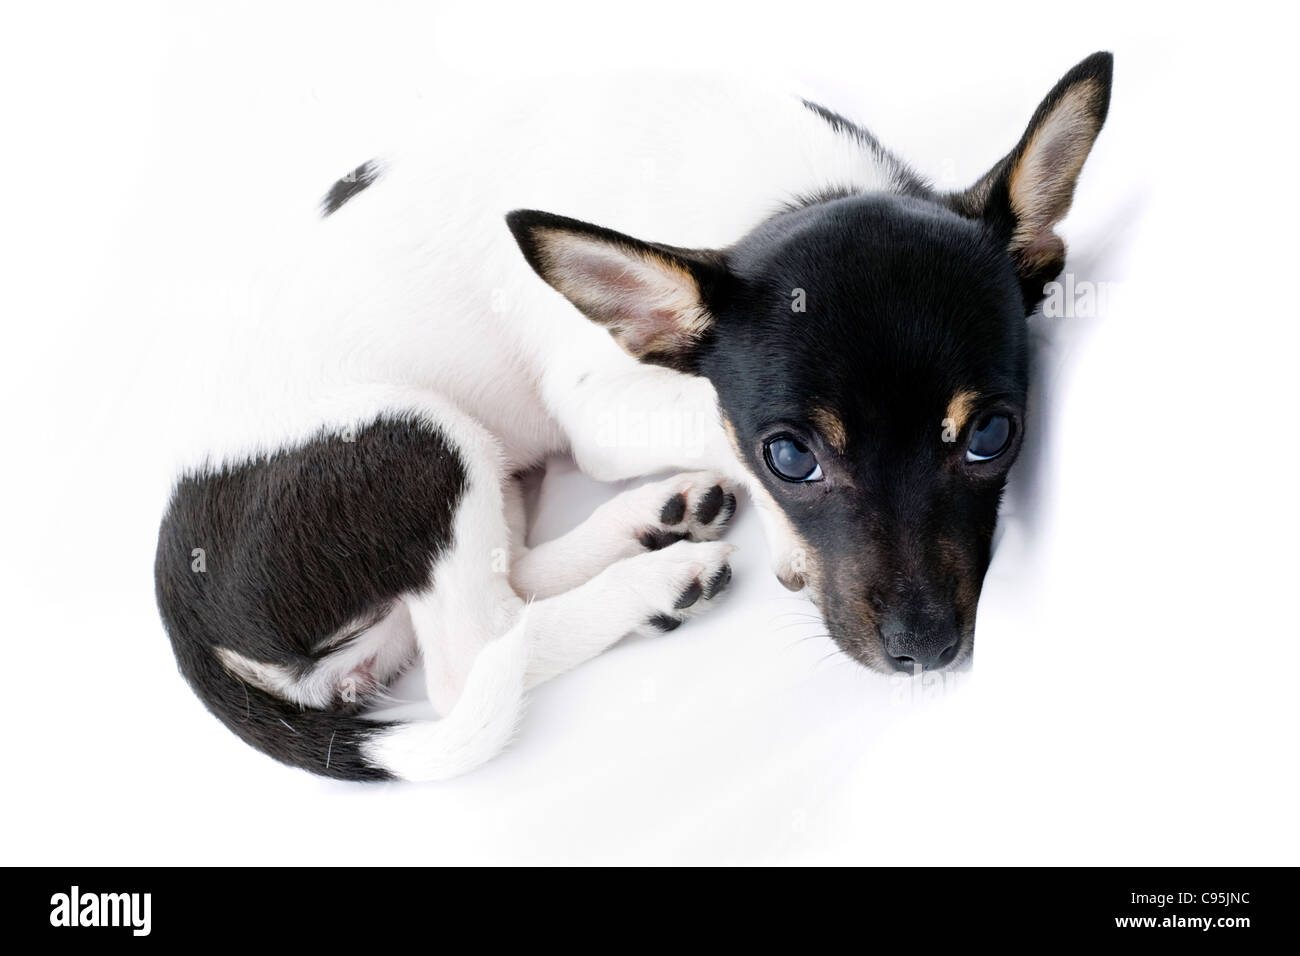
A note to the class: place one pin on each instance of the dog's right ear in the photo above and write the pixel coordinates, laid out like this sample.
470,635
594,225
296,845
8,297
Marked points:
654,299
1029,191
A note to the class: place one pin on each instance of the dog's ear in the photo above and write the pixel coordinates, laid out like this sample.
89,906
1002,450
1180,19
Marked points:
654,299
1026,194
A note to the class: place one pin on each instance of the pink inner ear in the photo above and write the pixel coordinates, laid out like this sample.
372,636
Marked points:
647,302
1042,182
619,281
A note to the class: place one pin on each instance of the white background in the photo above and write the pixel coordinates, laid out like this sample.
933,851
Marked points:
1134,694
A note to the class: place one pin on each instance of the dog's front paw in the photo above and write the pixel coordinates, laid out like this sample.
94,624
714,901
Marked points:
679,581
690,507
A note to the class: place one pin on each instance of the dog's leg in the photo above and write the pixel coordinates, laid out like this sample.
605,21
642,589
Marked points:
651,593
482,644
694,506
635,420
472,605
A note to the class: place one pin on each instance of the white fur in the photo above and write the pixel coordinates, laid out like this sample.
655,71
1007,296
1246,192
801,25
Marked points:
612,533
413,297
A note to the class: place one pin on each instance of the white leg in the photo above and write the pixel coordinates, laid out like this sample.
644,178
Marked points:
695,506
626,422
472,602
653,592
483,646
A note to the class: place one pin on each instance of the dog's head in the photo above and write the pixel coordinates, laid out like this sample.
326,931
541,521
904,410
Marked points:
870,359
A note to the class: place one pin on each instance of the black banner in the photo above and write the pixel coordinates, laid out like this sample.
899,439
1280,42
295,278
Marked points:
1228,906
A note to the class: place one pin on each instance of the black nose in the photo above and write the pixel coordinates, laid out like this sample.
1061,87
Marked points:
920,640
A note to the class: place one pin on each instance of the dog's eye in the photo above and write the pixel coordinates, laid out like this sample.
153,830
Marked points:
789,458
991,438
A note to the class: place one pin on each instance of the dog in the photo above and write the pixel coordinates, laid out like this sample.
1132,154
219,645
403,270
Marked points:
828,333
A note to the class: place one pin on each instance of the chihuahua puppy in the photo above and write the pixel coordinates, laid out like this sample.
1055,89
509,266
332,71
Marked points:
826,331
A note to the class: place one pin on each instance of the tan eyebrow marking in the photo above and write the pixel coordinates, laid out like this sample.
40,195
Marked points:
959,409
832,429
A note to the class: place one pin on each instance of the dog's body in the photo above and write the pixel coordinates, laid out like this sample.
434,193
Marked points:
354,499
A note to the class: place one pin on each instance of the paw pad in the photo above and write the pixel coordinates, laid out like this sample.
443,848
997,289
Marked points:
700,587
718,582
692,507
689,596
674,510
709,505
657,539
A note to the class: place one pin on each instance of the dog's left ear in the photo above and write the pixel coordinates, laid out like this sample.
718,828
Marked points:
652,298
1026,194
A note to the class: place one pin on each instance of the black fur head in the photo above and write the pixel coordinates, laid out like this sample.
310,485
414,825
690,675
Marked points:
870,359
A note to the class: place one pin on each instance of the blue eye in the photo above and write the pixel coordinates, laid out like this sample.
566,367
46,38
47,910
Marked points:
991,438
790,459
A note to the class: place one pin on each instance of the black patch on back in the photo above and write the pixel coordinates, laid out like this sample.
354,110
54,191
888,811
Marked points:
347,187
298,545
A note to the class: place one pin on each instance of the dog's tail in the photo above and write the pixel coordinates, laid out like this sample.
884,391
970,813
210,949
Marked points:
478,727
349,747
